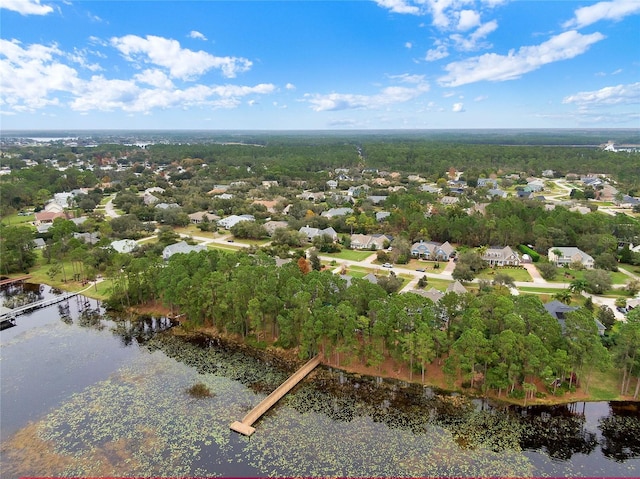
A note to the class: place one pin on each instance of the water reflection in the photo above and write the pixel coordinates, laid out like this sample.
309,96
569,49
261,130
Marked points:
621,432
560,431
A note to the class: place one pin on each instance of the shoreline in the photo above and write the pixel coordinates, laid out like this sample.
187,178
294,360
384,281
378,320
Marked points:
292,362
399,372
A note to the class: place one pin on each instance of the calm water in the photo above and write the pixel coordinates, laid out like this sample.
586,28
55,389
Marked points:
82,395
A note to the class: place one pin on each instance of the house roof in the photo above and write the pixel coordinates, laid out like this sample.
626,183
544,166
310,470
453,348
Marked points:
124,246
181,248
558,309
456,287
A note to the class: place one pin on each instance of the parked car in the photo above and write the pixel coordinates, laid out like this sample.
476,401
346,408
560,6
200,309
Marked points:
387,265
420,270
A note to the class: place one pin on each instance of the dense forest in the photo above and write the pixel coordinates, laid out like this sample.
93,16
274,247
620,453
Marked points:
491,341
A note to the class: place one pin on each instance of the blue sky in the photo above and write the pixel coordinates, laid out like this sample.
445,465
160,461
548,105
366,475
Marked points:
305,64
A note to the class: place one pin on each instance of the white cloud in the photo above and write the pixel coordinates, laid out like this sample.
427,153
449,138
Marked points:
348,101
408,45
437,53
399,6
468,19
473,41
197,35
290,86
35,77
29,75
127,95
80,57
458,108
407,78
614,10
494,67
481,98
181,62
26,7
155,78
611,95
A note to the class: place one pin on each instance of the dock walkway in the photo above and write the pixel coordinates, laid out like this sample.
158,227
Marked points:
245,426
9,314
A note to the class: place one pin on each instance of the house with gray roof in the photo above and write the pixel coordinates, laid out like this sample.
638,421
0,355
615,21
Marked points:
181,248
456,287
432,250
124,246
371,242
230,221
487,183
333,212
433,294
496,192
311,233
496,256
565,255
272,226
88,238
560,310
198,217
382,215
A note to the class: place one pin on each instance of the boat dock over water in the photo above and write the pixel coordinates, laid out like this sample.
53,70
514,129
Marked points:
9,315
245,426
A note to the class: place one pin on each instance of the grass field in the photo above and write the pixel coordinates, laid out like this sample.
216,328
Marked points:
15,219
566,275
518,274
349,254
435,267
39,274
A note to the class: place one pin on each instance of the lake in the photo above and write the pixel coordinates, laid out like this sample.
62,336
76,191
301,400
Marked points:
83,395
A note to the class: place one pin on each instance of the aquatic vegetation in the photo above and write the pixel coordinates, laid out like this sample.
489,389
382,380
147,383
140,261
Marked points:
200,391
142,421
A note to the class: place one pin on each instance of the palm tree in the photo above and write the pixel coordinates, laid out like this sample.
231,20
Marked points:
577,286
563,296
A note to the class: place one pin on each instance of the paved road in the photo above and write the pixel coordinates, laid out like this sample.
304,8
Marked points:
109,209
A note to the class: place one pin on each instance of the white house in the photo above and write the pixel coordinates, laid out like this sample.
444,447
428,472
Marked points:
565,255
501,257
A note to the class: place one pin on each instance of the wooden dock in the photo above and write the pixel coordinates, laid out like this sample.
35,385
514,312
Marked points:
9,314
245,426
7,281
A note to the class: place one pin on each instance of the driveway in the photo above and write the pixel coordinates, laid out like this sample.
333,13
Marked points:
534,273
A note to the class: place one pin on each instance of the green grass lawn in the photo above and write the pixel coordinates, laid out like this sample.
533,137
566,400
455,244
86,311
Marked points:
349,254
193,230
360,270
518,274
566,275
225,247
428,266
15,219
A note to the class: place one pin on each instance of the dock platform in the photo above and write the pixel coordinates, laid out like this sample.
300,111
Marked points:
246,425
